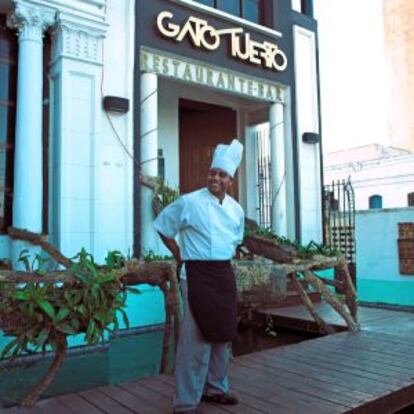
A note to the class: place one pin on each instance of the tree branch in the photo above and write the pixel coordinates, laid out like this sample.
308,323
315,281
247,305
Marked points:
321,288
323,326
39,240
61,348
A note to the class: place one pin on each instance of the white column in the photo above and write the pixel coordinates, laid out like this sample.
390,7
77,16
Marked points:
149,162
28,180
278,169
307,119
31,23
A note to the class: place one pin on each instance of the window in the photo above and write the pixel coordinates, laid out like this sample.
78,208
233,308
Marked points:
297,5
375,201
229,6
303,6
8,82
411,199
247,9
207,2
251,10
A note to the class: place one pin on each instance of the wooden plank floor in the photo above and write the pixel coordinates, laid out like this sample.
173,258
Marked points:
380,320
361,373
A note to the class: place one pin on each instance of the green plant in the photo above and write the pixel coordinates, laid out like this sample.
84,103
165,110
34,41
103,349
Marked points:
303,251
168,195
151,257
163,196
34,265
43,310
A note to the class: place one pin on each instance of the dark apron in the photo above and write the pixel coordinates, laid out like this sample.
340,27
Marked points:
212,296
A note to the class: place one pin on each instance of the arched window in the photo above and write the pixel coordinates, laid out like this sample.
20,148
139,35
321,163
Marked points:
375,201
411,199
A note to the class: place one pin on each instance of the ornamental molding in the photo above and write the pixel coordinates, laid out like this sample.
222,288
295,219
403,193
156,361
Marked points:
80,39
30,21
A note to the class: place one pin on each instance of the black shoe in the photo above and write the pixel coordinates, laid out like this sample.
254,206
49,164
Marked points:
224,398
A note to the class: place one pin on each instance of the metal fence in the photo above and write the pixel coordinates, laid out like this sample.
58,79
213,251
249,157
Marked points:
264,177
339,217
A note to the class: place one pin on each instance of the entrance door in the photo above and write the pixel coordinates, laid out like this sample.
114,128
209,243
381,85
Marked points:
202,127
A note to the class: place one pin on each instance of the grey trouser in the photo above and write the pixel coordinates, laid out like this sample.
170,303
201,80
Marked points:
200,366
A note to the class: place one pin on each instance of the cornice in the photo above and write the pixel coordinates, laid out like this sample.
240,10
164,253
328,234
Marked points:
94,9
90,9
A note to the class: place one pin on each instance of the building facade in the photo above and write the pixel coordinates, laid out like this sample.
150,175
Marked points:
380,278
381,176
399,48
95,93
234,82
221,69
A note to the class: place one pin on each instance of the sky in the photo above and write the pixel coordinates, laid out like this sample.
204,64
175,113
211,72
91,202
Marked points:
353,73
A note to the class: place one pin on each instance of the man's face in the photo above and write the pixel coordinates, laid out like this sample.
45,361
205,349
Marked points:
218,182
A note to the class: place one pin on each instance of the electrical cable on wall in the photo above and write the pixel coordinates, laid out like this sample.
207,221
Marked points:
126,149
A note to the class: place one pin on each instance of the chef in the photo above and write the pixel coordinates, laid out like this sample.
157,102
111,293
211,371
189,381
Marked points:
202,230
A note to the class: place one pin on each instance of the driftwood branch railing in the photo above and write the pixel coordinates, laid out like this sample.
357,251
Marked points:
303,270
161,273
345,286
134,272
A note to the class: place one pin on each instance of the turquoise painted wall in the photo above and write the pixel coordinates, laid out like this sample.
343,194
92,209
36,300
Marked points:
125,358
390,292
378,276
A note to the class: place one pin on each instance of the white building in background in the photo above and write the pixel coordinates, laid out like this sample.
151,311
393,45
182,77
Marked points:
381,176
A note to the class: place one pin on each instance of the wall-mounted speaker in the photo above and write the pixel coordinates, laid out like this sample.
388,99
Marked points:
311,137
116,104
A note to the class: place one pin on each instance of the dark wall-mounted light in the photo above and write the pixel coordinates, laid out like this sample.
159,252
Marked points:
116,104
161,164
311,137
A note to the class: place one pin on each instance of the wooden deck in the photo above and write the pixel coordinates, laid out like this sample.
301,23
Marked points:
367,372
374,319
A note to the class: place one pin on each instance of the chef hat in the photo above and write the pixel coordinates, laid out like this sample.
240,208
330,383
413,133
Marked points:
228,157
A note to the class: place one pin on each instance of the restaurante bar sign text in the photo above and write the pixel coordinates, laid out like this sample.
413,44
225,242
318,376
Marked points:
203,35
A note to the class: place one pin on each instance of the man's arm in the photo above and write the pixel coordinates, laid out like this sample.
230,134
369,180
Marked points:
172,246
168,224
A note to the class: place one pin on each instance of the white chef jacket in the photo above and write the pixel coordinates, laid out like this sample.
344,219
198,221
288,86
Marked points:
207,230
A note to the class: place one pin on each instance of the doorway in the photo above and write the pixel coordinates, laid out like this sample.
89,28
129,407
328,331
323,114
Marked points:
201,127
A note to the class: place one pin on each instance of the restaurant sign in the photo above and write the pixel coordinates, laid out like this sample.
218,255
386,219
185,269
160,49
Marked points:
242,46
198,73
